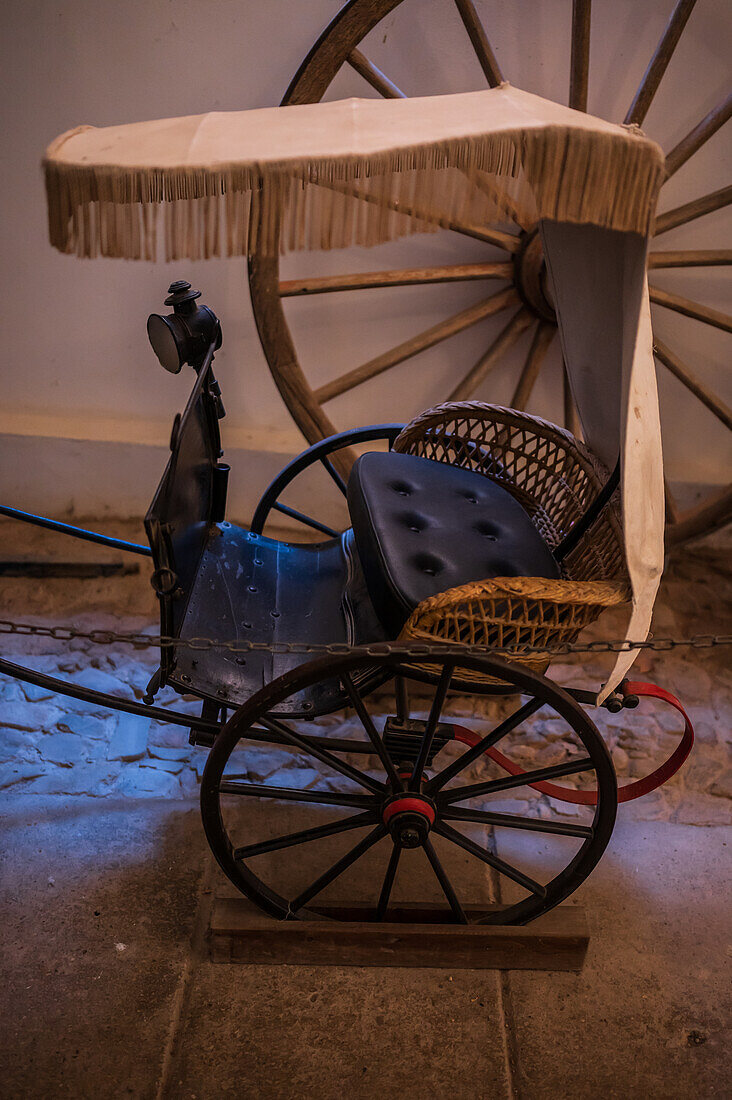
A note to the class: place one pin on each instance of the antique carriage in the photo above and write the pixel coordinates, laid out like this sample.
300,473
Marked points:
482,540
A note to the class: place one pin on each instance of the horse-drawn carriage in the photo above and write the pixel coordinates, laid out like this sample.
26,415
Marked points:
482,540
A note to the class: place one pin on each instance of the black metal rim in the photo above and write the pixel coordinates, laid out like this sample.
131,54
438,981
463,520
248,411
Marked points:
368,805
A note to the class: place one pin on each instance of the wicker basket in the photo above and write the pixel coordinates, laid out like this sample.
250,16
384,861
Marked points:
555,478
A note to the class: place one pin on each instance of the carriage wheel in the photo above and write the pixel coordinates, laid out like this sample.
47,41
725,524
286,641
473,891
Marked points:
518,264
383,816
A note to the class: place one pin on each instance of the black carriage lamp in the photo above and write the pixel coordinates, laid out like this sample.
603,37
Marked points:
186,334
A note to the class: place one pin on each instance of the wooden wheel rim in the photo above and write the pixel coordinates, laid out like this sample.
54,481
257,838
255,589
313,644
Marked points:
537,688
338,45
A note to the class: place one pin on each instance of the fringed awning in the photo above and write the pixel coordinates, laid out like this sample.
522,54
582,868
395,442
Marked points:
352,172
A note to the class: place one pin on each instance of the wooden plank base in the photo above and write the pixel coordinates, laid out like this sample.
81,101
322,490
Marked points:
239,933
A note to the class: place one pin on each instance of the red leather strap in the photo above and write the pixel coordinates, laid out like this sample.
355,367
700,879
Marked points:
629,791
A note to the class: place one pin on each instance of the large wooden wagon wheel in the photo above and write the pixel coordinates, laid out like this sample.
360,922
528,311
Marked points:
522,294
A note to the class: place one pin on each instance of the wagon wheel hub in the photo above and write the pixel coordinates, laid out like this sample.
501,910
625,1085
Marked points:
409,818
530,276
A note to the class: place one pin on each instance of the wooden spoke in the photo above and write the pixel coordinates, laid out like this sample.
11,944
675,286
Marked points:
571,416
505,340
681,215
424,340
289,794
338,868
325,757
502,200
304,836
703,257
672,509
516,821
580,62
691,309
698,136
495,862
480,43
444,882
465,759
537,352
493,786
411,276
374,76
371,732
659,63
708,516
506,241
415,783
391,870
715,404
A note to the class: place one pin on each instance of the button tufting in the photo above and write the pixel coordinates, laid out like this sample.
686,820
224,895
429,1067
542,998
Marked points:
496,538
428,564
402,488
414,522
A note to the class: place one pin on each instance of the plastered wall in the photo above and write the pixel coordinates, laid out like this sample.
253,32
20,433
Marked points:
85,410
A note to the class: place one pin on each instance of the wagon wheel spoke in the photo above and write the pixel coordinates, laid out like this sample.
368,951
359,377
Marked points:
540,344
374,76
289,794
506,338
691,309
540,775
707,516
391,870
580,56
697,137
338,868
467,758
507,241
433,718
371,732
444,881
495,862
516,821
672,508
659,62
427,339
503,200
369,280
479,42
710,257
715,404
343,825
325,757
682,215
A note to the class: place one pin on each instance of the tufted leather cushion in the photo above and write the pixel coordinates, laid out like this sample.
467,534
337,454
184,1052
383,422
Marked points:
422,527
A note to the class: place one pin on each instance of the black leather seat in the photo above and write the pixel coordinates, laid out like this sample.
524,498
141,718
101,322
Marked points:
422,527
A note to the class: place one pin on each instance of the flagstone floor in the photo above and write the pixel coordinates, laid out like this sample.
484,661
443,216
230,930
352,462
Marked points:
106,884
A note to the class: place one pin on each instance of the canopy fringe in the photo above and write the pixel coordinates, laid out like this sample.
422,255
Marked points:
555,172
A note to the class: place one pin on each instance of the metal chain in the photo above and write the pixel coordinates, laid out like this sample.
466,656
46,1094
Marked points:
413,649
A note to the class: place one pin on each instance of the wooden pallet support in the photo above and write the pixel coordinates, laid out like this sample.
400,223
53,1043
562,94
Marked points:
239,933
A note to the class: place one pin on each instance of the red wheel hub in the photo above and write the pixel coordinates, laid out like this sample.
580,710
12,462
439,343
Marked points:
409,818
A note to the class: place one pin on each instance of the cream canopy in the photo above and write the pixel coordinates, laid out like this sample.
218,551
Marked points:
420,161
367,171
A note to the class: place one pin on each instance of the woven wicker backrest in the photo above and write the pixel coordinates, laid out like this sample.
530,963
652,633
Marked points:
552,474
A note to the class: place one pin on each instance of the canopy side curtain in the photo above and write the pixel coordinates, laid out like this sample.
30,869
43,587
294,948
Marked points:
598,280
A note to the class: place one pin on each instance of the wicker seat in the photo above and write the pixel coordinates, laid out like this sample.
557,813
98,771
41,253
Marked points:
555,478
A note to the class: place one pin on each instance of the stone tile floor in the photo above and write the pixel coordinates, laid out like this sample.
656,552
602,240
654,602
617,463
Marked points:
105,884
